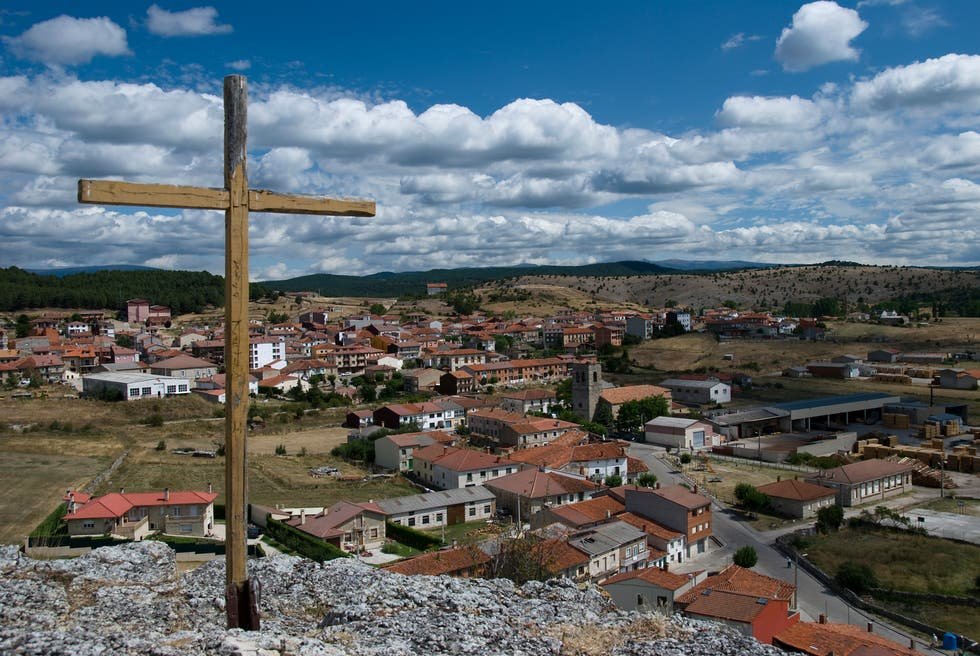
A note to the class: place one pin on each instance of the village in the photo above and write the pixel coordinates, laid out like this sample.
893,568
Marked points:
519,456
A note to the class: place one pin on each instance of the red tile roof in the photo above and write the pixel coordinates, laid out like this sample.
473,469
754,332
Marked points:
863,471
727,605
589,511
620,395
460,460
741,580
649,526
438,563
796,490
654,575
118,504
839,639
535,484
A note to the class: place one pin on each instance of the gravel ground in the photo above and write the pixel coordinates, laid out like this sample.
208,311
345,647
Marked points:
130,600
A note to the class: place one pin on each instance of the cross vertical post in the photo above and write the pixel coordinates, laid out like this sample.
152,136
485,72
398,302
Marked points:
236,200
236,351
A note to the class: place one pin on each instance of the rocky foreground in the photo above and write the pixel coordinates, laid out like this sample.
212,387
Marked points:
130,600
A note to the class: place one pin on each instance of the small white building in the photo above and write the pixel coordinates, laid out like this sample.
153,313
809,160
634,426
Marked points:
680,433
135,386
698,391
444,508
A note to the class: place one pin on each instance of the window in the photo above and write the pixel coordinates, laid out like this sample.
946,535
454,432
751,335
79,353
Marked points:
182,388
374,532
175,511
147,391
186,528
425,519
88,524
469,477
171,389
486,509
135,391
411,521
639,600
472,511
439,517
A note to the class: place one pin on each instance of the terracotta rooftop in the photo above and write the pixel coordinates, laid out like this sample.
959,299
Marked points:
838,639
116,504
741,580
863,471
589,511
460,460
438,563
654,575
559,555
620,395
726,605
419,439
796,490
675,493
650,527
535,484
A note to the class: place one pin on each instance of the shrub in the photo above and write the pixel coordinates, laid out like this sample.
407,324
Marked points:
614,481
745,557
301,543
750,498
155,420
856,577
303,452
685,458
410,537
161,446
830,518
646,479
280,449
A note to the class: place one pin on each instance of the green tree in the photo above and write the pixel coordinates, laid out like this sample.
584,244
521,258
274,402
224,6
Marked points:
830,518
615,480
646,479
277,317
23,326
603,415
368,393
685,458
377,308
634,414
857,577
745,557
750,498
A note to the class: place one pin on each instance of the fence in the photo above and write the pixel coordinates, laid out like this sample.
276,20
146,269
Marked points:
783,545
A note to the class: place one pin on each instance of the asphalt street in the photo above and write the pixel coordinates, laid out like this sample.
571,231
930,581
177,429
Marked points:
813,597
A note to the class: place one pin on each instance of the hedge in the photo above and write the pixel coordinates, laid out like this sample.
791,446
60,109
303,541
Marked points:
52,524
411,537
302,543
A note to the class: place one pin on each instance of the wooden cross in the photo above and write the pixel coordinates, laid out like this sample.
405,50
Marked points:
236,199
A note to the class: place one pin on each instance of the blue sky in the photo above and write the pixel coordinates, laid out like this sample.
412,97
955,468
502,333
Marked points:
489,135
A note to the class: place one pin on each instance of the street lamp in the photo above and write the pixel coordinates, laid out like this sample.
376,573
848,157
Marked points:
796,577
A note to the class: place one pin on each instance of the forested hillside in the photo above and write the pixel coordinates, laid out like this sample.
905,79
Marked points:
182,291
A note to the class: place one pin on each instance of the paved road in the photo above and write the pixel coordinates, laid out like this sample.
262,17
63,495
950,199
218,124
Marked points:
814,598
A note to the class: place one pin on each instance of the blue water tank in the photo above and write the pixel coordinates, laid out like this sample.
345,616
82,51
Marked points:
949,640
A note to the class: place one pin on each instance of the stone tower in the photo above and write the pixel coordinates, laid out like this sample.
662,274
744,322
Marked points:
586,386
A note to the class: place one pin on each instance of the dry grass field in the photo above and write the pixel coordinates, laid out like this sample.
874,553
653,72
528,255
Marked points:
45,458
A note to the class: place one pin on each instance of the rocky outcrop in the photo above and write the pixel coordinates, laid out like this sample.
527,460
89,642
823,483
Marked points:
130,600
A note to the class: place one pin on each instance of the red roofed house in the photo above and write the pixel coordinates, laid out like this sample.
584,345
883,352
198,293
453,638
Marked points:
677,508
648,589
353,527
793,498
615,397
135,515
530,491
594,461
464,562
395,452
824,639
759,617
866,480
447,467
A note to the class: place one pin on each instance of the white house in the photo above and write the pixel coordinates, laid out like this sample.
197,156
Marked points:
134,386
680,433
263,351
446,467
443,508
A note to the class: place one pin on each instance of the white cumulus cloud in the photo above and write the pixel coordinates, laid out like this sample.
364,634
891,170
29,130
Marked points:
821,33
65,41
198,21
759,111
948,80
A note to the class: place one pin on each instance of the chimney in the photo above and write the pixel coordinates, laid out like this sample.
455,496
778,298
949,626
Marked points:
822,619
122,490
166,494
608,514
302,516
871,627
210,488
695,488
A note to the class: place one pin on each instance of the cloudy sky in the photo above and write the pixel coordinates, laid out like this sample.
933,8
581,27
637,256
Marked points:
500,133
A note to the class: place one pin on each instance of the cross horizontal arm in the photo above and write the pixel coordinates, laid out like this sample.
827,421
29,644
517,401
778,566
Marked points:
113,192
267,201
